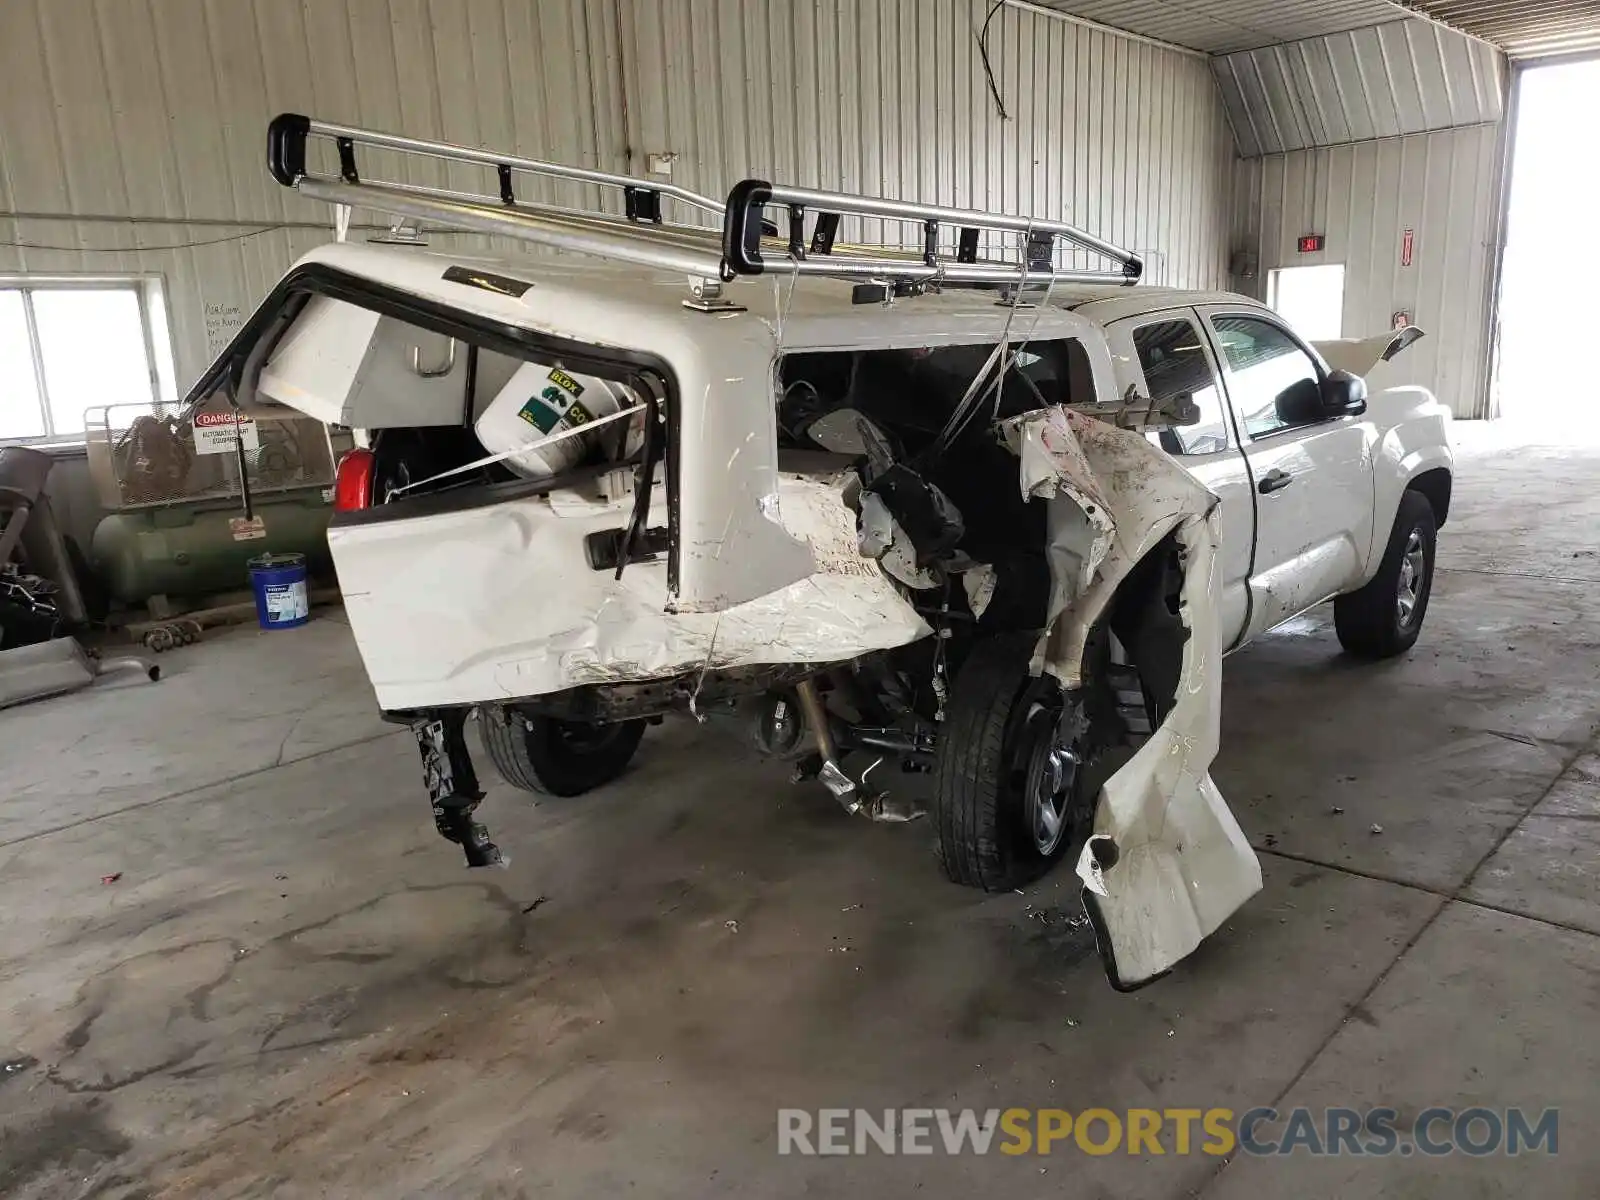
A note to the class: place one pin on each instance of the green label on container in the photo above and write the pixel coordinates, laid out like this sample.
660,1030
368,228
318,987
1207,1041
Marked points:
539,414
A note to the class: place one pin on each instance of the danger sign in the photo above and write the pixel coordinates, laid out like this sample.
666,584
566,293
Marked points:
215,433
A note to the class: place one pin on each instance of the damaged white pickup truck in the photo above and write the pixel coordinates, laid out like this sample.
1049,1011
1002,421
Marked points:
989,519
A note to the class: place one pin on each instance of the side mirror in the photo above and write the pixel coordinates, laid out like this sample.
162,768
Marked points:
1343,395
1301,403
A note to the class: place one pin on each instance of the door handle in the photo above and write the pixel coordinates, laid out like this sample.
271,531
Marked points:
1274,480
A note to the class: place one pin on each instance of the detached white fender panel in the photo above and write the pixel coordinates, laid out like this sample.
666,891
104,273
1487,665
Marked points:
1167,862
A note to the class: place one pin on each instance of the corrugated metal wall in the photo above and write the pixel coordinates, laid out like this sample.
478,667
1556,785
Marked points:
1442,186
157,111
1317,121
1122,137
1401,77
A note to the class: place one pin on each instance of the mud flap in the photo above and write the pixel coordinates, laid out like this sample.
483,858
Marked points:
1167,862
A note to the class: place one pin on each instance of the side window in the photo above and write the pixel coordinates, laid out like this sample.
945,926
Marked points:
1274,383
1174,362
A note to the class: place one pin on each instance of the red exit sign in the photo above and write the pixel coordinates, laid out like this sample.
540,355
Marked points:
1311,243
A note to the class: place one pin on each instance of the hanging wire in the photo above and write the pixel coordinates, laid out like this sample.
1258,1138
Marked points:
234,237
968,407
983,53
1016,351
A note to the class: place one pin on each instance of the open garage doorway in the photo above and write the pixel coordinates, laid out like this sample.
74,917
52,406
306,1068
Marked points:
1552,256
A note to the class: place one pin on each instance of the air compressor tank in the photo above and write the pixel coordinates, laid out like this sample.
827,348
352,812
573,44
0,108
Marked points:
190,549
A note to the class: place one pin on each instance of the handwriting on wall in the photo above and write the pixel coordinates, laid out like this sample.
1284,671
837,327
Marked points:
223,321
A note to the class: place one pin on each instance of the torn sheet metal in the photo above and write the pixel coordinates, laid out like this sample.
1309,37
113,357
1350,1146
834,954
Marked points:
979,584
1167,862
1181,865
1360,356
500,624
1143,495
882,539
1053,466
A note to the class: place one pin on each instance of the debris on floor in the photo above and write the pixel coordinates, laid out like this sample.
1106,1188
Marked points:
170,634
52,668
13,1066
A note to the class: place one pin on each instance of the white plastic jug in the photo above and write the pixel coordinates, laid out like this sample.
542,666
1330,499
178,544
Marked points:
540,400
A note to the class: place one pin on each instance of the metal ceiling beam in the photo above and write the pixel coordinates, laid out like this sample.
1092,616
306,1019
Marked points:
1518,27
1522,28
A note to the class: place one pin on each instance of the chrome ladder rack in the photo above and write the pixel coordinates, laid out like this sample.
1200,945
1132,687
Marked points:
748,242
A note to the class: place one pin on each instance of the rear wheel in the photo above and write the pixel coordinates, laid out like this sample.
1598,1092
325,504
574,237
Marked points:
1384,618
556,758
1009,792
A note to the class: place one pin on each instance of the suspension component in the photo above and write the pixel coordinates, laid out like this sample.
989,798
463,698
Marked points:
453,785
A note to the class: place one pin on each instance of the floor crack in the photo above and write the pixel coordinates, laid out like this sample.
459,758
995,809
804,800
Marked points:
189,791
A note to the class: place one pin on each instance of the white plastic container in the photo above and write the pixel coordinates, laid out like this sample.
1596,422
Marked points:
539,401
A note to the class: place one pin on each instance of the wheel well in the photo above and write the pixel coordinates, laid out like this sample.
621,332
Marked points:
1145,617
1435,488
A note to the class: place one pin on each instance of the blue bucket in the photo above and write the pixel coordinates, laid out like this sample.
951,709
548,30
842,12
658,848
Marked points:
279,582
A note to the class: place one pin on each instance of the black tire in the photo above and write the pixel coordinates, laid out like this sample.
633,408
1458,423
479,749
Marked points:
556,758
1369,622
979,804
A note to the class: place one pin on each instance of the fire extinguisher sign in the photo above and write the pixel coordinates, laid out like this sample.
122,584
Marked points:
1407,240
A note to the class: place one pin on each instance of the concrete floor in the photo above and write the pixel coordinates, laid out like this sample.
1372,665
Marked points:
295,989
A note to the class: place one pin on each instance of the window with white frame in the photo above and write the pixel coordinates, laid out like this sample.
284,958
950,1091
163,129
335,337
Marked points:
67,345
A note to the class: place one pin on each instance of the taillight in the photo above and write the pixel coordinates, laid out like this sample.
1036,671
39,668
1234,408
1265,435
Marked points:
352,481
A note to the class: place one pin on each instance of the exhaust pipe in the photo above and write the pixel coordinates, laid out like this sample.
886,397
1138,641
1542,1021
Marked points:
857,799
832,774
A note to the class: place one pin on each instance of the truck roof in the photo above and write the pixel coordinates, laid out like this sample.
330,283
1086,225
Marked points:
1104,303
484,284
627,306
